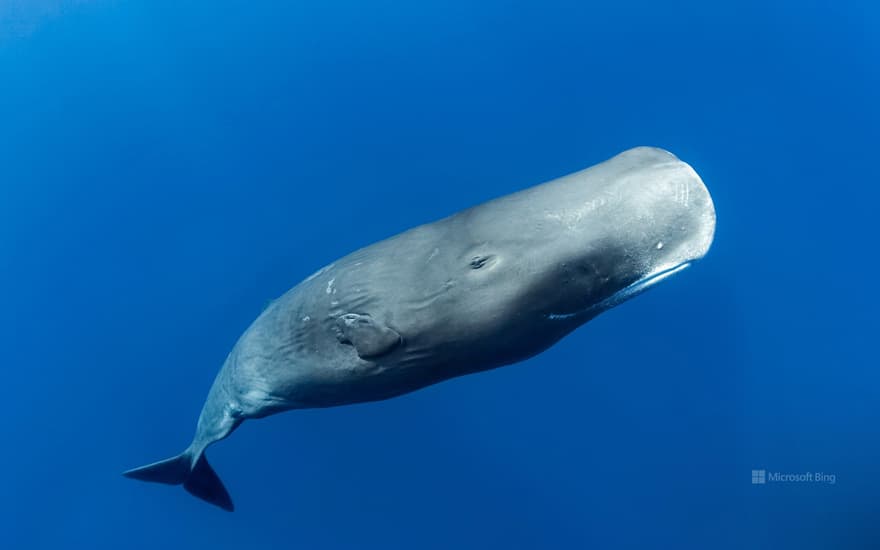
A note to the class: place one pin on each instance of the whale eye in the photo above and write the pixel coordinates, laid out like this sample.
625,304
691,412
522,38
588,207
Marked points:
479,261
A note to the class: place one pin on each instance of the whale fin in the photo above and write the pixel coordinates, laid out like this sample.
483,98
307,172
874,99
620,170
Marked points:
204,483
172,471
199,480
369,337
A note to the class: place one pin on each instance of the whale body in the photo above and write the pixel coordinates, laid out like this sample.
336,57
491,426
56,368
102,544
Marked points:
486,287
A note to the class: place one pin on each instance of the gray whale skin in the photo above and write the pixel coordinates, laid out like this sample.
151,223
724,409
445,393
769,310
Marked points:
486,287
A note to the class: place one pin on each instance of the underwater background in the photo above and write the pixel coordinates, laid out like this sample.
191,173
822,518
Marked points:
167,168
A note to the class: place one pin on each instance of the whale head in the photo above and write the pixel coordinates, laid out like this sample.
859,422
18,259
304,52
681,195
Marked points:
659,220
593,239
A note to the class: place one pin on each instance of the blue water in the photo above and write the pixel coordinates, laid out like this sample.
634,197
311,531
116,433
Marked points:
167,168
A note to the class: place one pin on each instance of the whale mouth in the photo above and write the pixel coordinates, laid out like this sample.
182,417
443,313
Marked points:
624,294
652,279
643,284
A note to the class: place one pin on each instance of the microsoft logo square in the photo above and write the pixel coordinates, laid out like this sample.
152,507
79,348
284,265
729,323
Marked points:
759,477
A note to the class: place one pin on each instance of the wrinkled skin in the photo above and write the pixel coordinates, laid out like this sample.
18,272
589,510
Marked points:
486,287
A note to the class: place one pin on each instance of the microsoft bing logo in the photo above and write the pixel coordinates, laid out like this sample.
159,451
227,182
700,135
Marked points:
763,477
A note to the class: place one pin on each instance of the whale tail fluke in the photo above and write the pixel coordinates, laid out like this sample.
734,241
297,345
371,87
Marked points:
204,483
199,480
